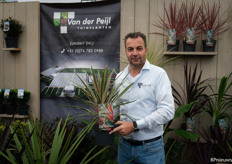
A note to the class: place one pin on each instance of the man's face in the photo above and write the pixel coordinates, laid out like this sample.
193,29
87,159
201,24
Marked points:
136,52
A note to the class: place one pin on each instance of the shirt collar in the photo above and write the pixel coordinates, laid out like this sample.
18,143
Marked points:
147,66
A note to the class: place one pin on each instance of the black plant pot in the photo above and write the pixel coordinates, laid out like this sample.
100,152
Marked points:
11,42
173,47
189,47
23,110
103,138
208,48
2,109
10,109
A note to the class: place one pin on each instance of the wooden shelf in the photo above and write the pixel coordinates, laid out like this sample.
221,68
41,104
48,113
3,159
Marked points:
16,116
12,49
190,53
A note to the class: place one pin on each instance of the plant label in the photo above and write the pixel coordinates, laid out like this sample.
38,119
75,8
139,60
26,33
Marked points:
171,37
20,93
7,93
209,38
6,26
190,36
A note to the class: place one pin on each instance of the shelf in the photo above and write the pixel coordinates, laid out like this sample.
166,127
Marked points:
190,53
12,49
16,116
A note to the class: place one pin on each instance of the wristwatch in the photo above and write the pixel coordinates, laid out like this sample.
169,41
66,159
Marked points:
135,126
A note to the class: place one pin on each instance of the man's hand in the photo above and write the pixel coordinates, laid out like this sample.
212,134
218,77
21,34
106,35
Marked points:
124,129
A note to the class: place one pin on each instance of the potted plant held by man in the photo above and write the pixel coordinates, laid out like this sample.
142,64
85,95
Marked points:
12,29
101,95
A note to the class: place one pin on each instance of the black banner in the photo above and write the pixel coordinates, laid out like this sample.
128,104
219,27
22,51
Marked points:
74,37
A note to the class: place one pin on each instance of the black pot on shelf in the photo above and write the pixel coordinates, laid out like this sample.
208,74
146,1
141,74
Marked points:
189,47
102,137
208,48
10,109
173,47
23,110
11,42
2,109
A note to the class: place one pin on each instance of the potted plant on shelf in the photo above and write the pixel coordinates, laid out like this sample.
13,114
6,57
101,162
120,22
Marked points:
23,107
192,25
10,100
101,95
172,25
1,101
12,29
212,25
193,92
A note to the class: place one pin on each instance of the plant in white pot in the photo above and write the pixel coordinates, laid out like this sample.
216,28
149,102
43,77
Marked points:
12,28
101,97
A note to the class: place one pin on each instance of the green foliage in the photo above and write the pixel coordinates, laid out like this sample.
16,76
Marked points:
102,91
12,100
35,148
25,99
220,102
15,27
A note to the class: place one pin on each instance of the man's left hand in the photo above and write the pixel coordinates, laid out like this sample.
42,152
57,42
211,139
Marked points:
124,128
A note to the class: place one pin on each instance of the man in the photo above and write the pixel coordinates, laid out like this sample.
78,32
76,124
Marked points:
141,139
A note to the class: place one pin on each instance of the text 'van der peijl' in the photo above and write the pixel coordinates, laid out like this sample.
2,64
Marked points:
86,21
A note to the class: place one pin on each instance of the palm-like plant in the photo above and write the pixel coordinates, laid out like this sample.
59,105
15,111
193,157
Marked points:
101,96
220,102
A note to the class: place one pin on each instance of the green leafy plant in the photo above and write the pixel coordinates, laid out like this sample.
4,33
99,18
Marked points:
15,28
101,95
33,150
220,102
12,100
26,98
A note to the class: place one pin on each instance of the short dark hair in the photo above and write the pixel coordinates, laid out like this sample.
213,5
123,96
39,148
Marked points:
136,35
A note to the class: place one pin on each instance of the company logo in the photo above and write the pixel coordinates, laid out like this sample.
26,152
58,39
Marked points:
65,19
61,19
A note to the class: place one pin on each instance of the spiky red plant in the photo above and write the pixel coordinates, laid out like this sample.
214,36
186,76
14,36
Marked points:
192,17
213,20
174,20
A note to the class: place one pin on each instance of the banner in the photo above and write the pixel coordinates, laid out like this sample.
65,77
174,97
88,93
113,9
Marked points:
74,37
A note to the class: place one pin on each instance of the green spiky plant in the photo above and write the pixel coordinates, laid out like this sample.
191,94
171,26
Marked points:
101,96
220,102
32,149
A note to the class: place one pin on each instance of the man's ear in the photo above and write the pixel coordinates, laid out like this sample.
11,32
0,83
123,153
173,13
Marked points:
146,49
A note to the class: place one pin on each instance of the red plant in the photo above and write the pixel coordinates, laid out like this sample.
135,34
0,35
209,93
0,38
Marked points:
175,20
212,19
192,17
